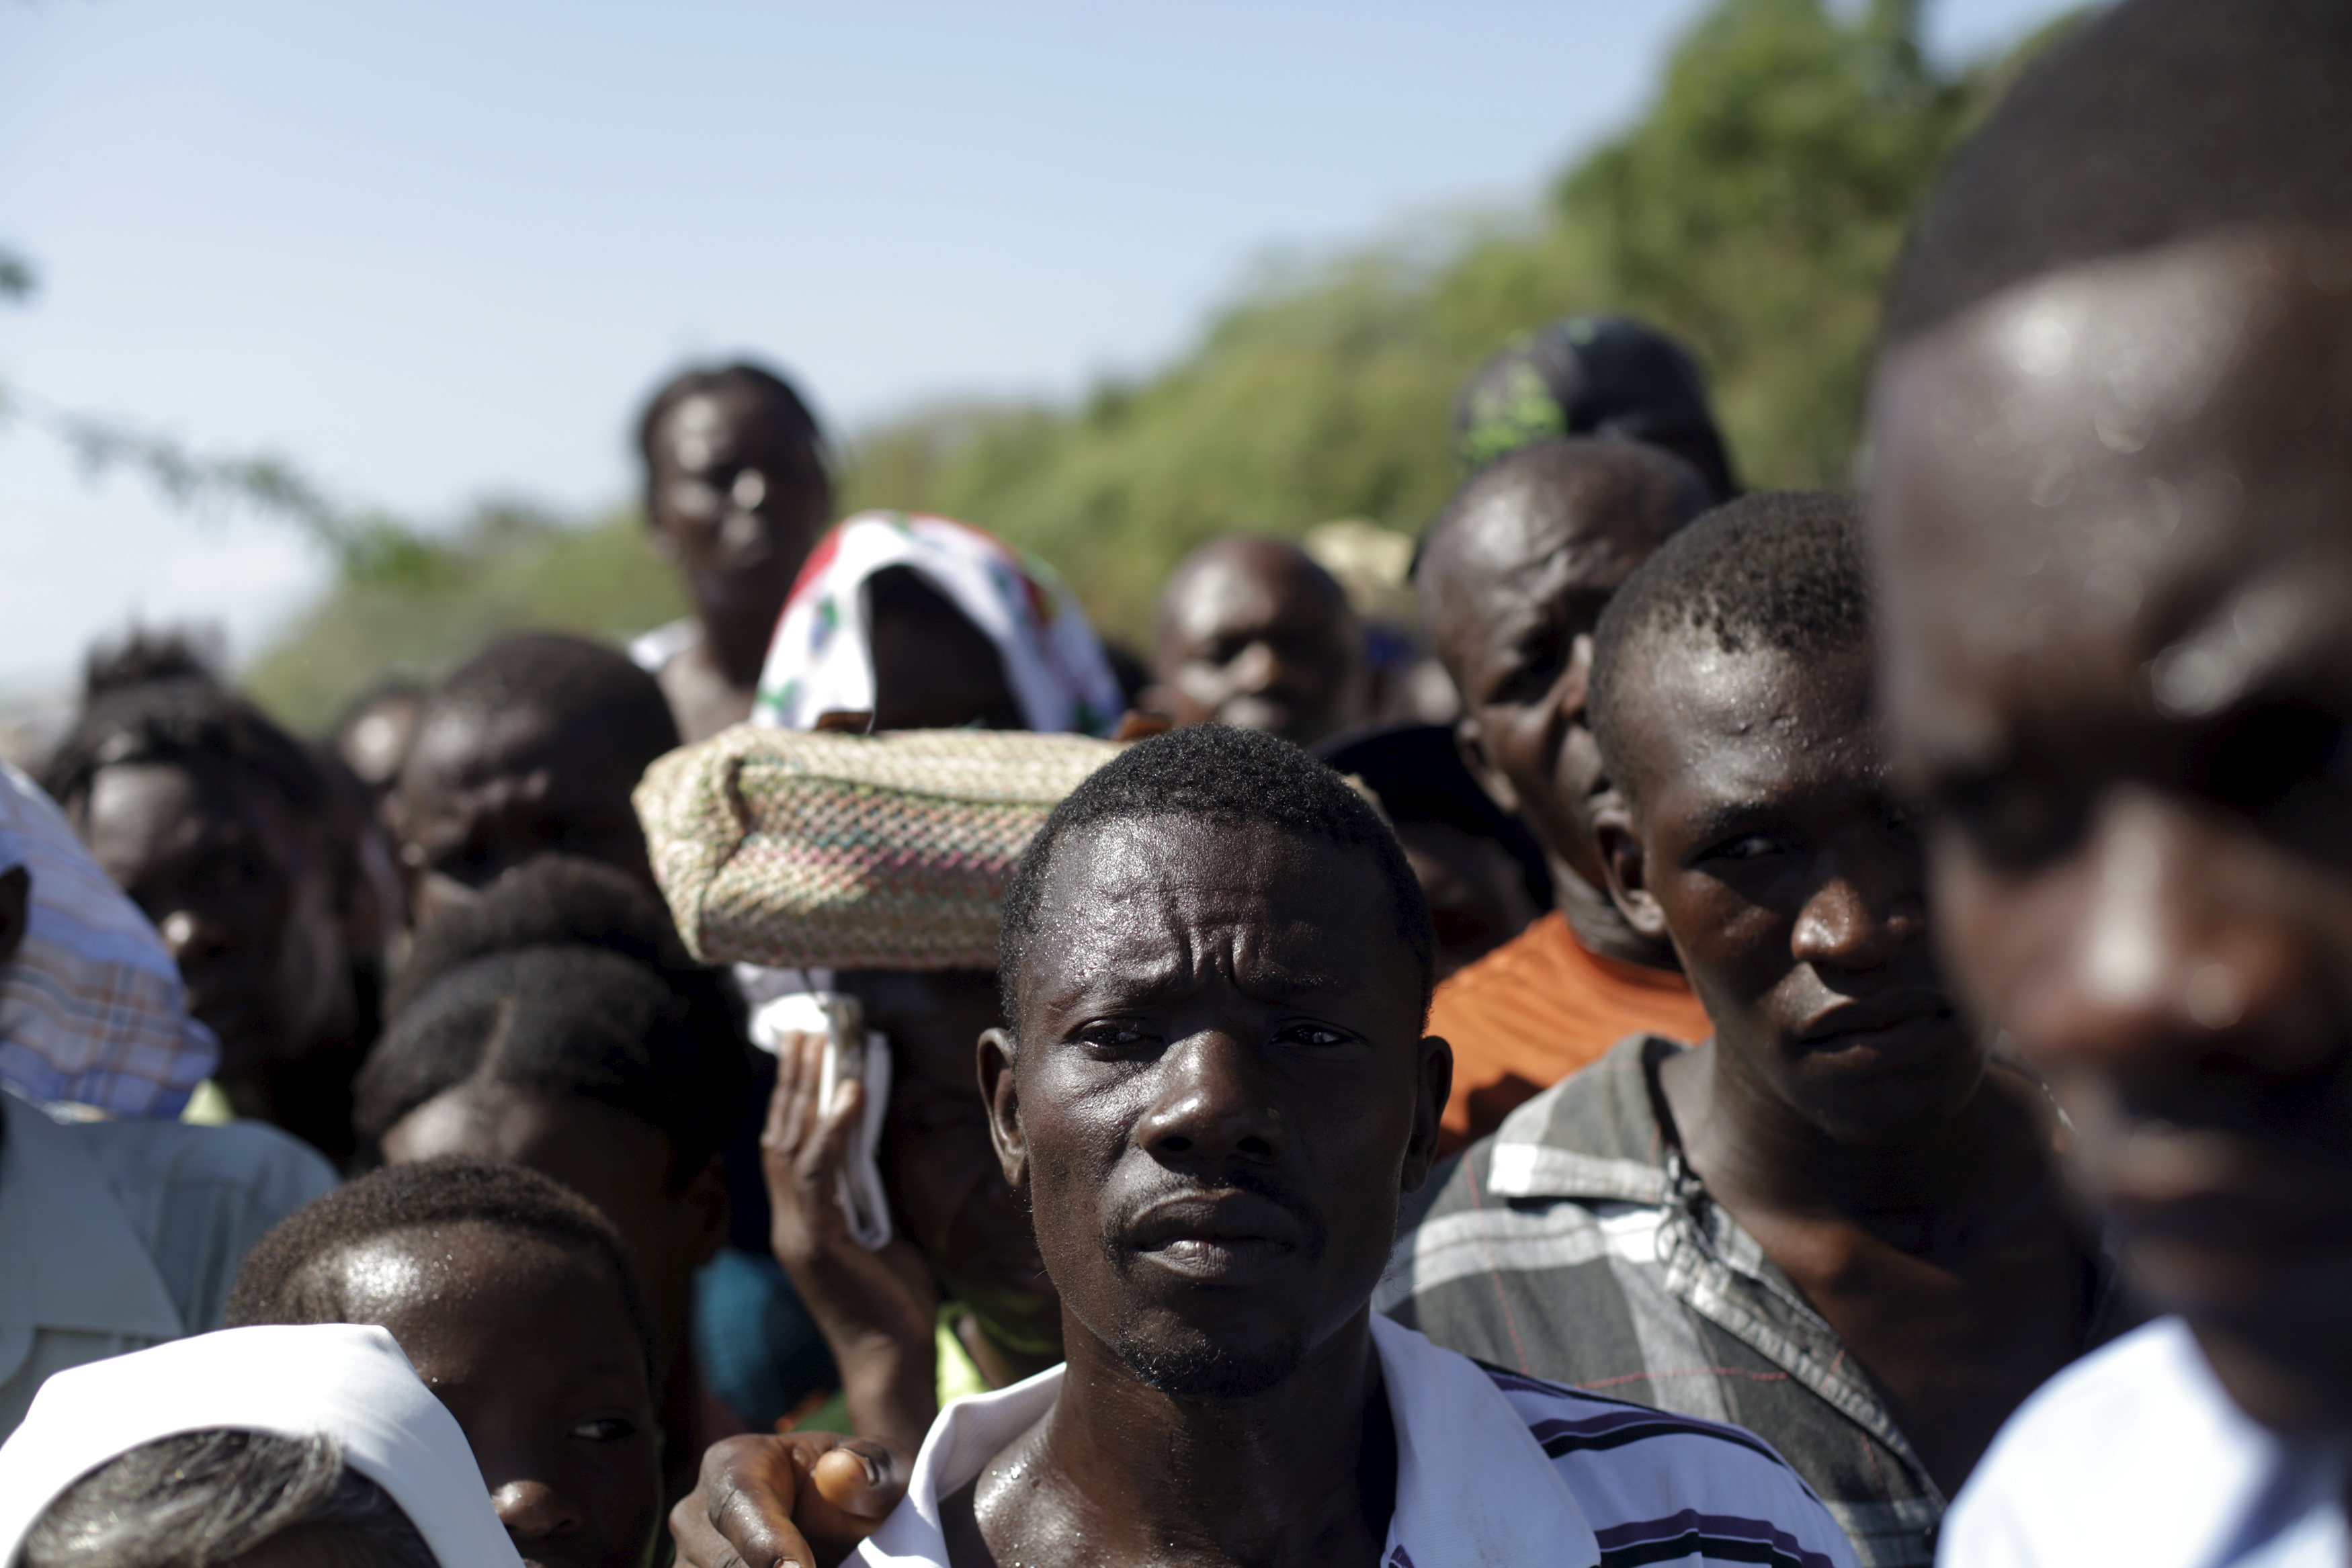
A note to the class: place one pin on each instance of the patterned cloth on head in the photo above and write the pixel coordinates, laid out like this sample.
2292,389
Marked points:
821,658
91,1007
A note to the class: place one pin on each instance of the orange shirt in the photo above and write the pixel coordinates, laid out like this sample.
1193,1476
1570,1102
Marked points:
1536,1009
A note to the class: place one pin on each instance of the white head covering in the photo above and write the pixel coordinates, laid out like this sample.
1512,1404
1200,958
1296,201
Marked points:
347,1381
821,658
90,1007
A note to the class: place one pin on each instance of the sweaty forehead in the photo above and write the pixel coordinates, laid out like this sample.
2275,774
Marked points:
1155,900
2117,492
429,1268
1699,727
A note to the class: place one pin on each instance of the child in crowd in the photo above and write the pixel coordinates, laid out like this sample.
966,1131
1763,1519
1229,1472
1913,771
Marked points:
961,1236
530,748
250,1448
517,1304
558,1023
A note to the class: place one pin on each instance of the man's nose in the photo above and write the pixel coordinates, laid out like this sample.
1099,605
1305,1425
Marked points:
1210,1106
1864,913
534,1510
2172,955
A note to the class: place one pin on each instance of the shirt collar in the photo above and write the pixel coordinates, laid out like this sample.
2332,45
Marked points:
1473,1484
80,1264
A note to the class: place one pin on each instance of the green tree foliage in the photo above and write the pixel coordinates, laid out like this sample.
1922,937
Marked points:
1754,210
428,608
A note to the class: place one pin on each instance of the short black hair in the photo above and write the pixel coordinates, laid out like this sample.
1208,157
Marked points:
278,1282
199,1499
2157,122
566,978
145,654
186,719
585,687
1781,570
742,375
1236,776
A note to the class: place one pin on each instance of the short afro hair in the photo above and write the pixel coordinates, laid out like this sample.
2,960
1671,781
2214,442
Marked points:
283,1279
1231,776
567,978
2159,120
1778,569
584,687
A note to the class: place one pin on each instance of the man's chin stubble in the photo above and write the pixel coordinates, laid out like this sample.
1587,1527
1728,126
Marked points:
1203,1369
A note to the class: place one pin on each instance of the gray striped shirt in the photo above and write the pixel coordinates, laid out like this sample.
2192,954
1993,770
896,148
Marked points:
1575,1246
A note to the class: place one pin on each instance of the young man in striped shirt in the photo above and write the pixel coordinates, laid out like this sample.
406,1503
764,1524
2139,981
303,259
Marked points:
1837,1221
1215,1097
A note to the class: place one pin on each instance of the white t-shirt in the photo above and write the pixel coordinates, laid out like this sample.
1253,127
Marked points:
2135,1454
1492,1469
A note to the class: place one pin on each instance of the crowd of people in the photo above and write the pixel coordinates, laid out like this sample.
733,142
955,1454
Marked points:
1752,1027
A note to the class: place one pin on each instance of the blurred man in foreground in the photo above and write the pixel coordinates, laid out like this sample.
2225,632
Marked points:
736,492
1253,634
1513,577
2114,505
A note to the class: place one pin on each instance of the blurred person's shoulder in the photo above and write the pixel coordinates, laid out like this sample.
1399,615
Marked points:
2072,1475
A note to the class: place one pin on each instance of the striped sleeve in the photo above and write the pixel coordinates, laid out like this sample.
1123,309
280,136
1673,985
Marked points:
1662,1487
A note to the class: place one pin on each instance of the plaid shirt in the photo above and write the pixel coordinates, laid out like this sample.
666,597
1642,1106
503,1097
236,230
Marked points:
1575,1246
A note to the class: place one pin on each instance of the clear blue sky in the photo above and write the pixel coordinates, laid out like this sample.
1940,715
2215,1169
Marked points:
434,250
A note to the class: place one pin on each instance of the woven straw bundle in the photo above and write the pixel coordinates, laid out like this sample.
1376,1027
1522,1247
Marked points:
893,851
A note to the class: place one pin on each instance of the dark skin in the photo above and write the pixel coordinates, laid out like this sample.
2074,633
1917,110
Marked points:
1220,1062
16,909
737,498
2110,517
484,794
1844,1113
242,888
1510,592
532,1348
1253,634
374,741
933,669
1202,1007
628,1170
961,1233
623,1165
1477,895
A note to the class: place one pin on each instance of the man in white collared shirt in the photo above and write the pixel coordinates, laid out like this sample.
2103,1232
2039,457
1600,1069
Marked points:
1215,1098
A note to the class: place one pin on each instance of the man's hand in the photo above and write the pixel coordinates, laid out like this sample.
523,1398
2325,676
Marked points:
801,1500
878,1311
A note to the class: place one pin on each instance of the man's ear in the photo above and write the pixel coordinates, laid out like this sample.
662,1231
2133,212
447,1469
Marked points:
16,909
1622,858
704,1205
999,1089
1470,740
1436,1084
